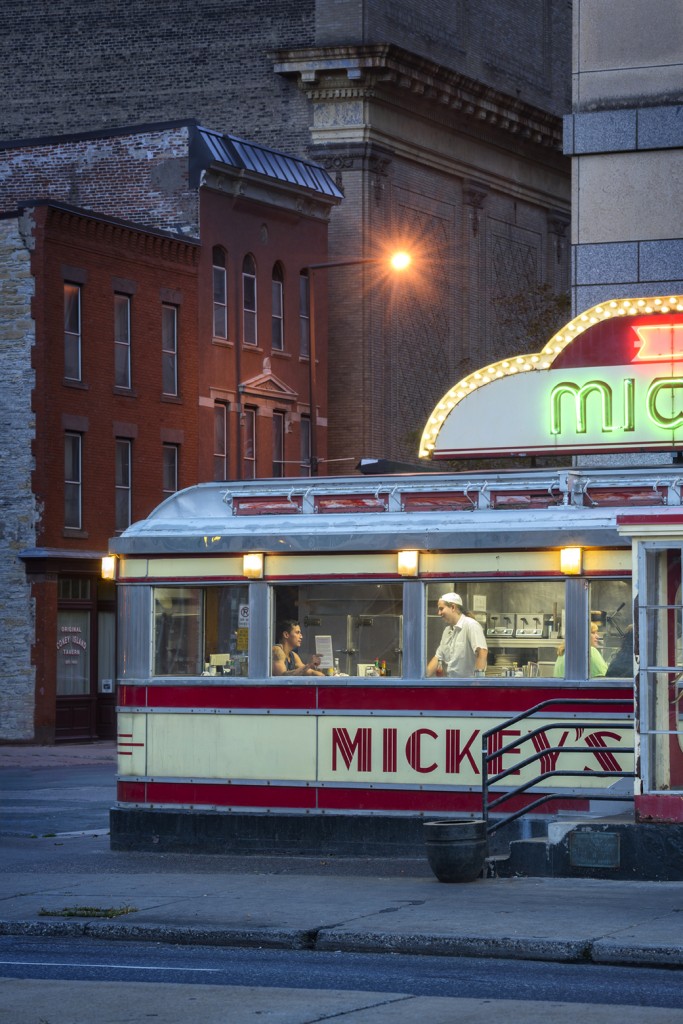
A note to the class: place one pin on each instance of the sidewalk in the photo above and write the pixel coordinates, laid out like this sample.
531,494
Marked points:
323,904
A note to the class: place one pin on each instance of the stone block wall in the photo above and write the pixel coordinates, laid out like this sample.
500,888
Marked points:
18,511
625,137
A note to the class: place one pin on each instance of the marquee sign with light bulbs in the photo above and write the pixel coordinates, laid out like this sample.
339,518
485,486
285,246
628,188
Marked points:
611,380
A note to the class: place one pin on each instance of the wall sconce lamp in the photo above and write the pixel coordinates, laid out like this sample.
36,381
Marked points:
570,561
408,563
252,565
108,570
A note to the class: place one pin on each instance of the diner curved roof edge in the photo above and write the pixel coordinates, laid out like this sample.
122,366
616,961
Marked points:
300,514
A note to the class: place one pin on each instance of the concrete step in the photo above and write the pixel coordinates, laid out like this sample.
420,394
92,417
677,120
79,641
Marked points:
617,848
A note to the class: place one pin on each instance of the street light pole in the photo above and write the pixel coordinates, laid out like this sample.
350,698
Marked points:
399,261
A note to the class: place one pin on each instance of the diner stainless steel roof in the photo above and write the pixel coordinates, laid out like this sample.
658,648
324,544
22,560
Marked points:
213,147
202,519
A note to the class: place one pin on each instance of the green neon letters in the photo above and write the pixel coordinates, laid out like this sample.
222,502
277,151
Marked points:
580,395
657,385
656,393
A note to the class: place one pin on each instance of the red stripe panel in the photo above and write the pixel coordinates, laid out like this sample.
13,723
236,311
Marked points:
426,800
331,697
304,798
461,698
132,696
658,807
130,792
198,696
217,794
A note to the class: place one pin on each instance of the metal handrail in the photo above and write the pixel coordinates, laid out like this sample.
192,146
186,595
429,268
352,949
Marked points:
488,755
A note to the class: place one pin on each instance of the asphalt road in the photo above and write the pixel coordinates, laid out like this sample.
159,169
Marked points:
460,977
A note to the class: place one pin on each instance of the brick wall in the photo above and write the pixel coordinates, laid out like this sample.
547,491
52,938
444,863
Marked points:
105,259
141,177
17,505
125,62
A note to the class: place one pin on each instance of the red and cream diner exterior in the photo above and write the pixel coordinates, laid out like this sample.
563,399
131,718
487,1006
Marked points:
217,752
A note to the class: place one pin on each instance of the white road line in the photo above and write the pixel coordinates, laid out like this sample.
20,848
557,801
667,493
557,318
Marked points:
113,967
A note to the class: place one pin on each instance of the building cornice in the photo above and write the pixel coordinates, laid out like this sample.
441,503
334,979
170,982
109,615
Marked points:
102,230
388,73
246,185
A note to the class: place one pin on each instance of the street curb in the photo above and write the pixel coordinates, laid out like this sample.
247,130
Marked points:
600,951
271,938
499,948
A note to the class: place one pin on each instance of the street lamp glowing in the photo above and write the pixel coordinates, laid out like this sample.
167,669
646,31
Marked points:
401,260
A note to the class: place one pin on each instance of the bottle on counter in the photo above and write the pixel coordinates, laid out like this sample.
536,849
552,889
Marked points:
383,668
377,670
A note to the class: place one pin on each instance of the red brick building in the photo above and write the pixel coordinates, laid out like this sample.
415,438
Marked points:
139,356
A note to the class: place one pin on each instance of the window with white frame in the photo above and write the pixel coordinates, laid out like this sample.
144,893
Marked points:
169,460
73,481
220,294
123,484
249,443
122,377
305,446
249,327
277,311
304,315
278,444
220,441
72,332
169,350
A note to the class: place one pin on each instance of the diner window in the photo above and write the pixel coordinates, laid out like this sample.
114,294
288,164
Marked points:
201,631
73,492
305,446
277,309
249,443
249,326
122,375
610,648
220,294
123,485
520,623
278,444
220,441
170,458
304,315
72,332
357,628
661,664
169,350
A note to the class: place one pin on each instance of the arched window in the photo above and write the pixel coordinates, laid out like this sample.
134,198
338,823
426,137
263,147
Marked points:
277,309
220,294
249,332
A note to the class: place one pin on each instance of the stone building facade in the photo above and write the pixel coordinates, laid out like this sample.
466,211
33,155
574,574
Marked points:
17,502
625,136
440,136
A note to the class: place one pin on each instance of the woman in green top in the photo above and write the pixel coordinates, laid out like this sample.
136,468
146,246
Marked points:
598,665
